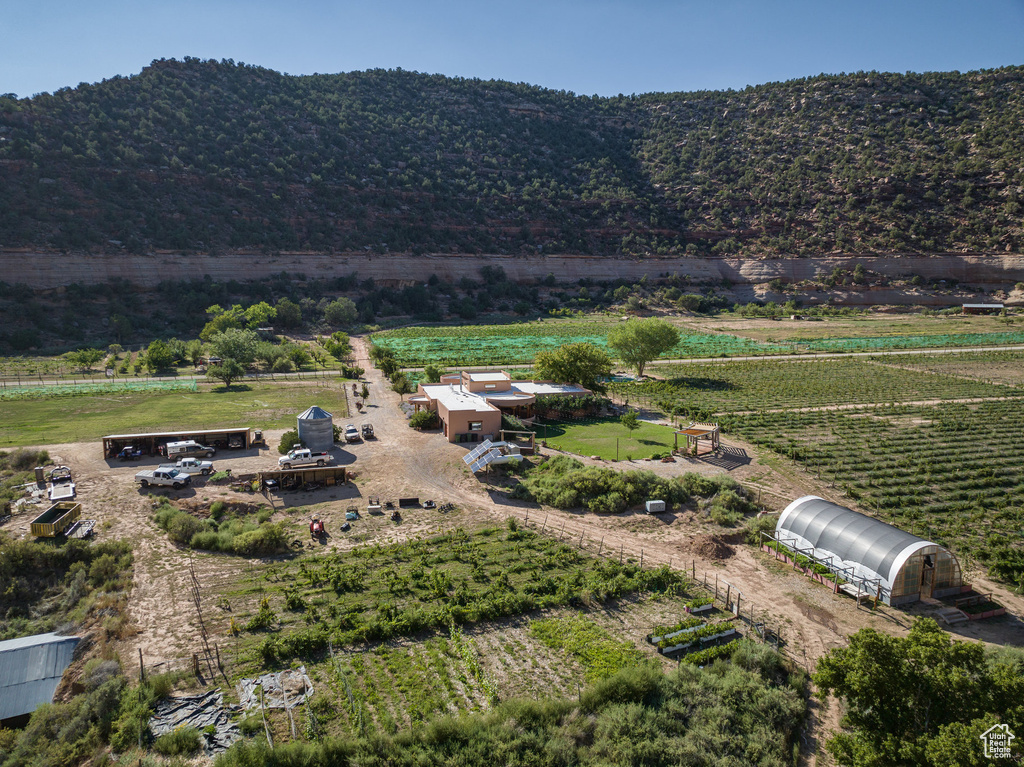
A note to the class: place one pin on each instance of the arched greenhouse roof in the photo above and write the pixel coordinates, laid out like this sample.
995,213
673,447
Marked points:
870,546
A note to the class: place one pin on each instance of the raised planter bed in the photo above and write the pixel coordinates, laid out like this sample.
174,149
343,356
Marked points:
701,641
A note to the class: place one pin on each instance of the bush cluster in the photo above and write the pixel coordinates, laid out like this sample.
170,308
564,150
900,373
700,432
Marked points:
726,714
565,483
232,534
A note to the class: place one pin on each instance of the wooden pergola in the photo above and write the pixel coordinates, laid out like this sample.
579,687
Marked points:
698,435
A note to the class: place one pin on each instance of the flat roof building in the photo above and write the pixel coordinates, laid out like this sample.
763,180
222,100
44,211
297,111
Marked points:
470,405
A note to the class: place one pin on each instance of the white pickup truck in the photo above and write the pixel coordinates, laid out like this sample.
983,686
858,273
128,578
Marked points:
304,457
160,476
190,466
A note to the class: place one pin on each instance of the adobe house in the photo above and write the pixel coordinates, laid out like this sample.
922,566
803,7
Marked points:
470,405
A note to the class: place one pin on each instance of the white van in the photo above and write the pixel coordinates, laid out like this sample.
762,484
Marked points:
189,448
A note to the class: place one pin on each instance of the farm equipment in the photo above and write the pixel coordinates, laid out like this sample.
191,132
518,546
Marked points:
345,527
368,431
129,454
258,439
429,505
373,505
396,516
351,514
317,529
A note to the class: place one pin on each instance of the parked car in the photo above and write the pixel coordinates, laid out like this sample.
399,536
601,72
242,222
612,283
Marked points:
368,431
352,434
189,448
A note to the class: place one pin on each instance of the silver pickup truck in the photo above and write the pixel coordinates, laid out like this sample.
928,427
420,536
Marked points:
304,457
165,477
190,466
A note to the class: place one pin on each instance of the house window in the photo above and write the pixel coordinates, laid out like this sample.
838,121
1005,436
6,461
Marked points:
476,425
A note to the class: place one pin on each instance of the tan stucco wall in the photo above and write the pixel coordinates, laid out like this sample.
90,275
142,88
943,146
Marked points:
457,422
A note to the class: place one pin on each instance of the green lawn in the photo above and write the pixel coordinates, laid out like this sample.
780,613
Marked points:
599,438
76,419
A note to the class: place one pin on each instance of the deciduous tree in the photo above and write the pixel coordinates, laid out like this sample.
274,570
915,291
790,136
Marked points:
637,342
580,363
227,371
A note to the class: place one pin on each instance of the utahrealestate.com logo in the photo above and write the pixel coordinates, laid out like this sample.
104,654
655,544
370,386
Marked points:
997,740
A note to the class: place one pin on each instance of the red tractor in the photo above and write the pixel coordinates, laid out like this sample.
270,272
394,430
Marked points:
317,529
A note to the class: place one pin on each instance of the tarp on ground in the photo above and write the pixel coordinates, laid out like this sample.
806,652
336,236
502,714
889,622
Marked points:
278,687
199,711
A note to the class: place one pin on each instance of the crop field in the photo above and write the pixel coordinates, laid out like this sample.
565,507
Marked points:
90,389
890,343
75,419
519,343
859,325
607,438
995,367
949,472
383,592
766,385
397,634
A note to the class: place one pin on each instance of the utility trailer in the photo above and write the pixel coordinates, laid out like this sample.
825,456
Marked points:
56,519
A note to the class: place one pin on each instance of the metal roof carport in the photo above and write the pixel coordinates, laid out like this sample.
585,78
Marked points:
148,443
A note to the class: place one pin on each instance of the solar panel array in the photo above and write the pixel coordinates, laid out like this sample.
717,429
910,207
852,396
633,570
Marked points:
476,452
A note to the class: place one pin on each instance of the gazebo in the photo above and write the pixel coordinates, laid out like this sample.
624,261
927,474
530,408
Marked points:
696,434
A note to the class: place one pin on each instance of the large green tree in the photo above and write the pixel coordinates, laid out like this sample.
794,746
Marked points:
340,312
581,363
227,371
637,342
236,344
910,700
159,356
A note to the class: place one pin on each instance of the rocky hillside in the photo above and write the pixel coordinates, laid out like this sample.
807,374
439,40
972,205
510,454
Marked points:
214,157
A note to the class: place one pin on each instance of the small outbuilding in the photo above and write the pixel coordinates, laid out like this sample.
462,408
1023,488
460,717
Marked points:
30,670
876,558
316,429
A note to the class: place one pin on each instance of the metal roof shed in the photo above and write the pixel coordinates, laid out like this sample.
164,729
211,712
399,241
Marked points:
30,670
904,567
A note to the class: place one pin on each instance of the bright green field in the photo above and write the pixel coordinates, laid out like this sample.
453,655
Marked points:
598,438
518,343
76,419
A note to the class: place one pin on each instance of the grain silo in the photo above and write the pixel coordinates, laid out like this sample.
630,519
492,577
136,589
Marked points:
316,429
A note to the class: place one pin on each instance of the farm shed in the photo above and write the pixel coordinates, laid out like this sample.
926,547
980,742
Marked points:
294,479
236,438
316,429
891,563
30,670
982,308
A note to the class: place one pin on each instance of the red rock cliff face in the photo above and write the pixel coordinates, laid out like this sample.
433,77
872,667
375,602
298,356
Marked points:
52,270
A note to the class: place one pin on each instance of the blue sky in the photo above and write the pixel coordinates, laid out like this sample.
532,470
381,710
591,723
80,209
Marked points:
600,47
